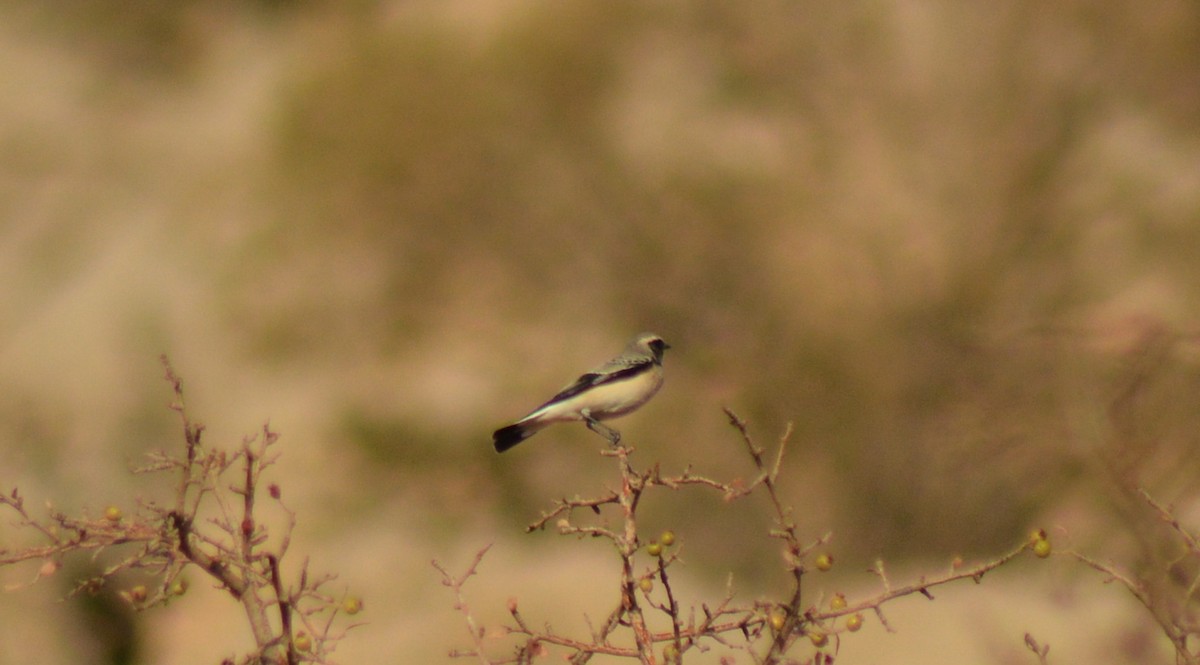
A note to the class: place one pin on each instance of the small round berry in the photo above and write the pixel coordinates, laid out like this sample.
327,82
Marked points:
1036,535
112,514
302,641
1042,548
646,585
352,605
654,549
138,593
854,622
824,562
777,618
179,587
838,602
818,638
667,538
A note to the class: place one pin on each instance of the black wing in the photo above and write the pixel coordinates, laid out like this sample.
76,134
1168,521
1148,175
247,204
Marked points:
593,379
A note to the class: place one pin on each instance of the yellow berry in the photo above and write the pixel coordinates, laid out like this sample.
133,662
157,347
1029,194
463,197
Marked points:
302,641
112,514
654,549
1042,548
854,623
352,605
667,538
646,585
1036,535
838,602
179,587
777,618
138,593
824,562
818,638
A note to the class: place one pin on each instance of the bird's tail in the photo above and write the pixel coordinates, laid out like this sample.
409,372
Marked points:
507,437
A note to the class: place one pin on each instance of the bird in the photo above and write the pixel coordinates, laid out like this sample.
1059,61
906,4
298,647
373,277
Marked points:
613,389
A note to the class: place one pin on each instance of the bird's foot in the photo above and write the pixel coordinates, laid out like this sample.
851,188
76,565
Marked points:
613,436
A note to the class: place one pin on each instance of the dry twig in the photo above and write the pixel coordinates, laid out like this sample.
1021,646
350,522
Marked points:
767,631
233,547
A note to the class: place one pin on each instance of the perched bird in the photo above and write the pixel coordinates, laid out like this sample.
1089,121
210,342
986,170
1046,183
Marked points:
611,390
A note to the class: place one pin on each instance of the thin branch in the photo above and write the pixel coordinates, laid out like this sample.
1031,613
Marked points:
231,547
456,585
739,627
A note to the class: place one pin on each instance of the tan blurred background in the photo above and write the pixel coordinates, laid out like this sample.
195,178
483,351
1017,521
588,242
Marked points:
957,244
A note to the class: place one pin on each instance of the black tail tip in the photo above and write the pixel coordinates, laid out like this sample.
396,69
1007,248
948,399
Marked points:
507,437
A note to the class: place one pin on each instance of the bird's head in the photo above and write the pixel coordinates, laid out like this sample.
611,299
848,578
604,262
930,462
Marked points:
650,344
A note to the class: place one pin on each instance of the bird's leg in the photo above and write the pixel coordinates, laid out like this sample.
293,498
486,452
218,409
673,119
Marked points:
613,436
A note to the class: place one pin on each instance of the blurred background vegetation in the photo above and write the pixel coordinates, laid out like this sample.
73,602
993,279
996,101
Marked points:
956,244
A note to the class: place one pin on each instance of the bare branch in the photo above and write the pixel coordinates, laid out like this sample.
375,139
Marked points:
163,542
